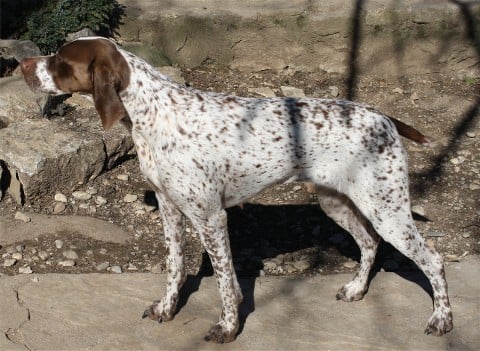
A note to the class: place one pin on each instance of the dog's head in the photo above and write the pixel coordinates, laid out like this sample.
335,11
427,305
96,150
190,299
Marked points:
91,65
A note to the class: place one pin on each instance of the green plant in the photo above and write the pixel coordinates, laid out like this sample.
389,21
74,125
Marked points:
470,80
49,26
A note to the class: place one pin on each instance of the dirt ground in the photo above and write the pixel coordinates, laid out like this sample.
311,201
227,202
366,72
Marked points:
286,238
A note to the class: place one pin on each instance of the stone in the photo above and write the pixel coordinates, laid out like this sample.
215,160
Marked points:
293,92
18,49
84,32
59,207
334,92
435,234
471,134
452,258
100,200
92,190
60,197
58,243
81,195
130,198
123,177
301,265
17,256
70,254
8,262
25,270
66,263
48,156
116,269
262,91
102,266
473,186
174,73
350,264
44,255
418,210
17,100
20,216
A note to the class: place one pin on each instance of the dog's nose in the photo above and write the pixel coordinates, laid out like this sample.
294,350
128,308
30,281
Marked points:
26,64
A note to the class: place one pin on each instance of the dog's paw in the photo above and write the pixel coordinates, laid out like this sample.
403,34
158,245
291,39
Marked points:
157,313
219,335
440,323
350,292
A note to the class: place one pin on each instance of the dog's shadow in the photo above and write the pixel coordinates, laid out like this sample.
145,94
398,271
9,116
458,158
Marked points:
259,233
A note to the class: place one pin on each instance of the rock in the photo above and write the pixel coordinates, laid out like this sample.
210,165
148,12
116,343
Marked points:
66,263
18,49
17,256
60,197
102,251
130,198
288,91
59,207
81,195
173,73
116,269
350,264
473,186
123,177
43,255
418,210
85,32
434,234
334,92
262,91
58,244
157,268
92,190
8,262
471,134
301,265
45,156
20,248
149,208
102,266
398,90
457,160
70,254
25,270
17,100
270,266
22,217
100,200
452,258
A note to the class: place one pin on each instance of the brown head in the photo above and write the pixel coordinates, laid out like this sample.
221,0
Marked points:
88,65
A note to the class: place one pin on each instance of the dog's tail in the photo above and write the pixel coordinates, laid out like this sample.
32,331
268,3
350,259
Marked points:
410,133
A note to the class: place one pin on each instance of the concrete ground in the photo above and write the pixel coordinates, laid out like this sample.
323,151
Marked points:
103,312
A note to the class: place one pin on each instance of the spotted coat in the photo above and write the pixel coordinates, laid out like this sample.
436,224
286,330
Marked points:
203,152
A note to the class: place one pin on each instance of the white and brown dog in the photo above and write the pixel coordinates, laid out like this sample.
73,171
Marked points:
203,152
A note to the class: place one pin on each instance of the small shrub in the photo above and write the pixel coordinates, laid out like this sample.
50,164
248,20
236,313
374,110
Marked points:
49,26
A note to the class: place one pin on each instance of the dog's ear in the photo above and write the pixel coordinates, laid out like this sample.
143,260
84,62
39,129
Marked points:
105,96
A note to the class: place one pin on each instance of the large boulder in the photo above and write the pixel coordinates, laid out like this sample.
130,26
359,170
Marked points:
41,156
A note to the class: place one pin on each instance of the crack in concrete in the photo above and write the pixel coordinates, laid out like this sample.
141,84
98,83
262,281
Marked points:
13,334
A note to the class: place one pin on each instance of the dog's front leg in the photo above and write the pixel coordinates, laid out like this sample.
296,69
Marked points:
173,226
214,236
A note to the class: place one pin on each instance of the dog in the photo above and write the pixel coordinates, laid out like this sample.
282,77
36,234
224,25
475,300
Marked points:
203,152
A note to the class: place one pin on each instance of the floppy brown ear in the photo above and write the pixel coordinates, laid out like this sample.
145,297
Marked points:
105,97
